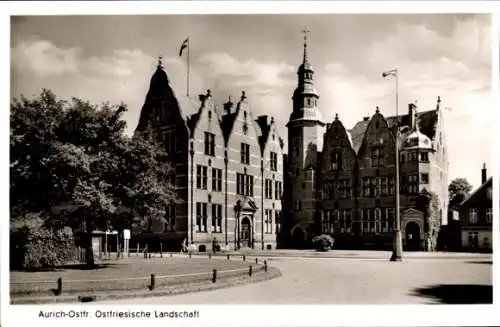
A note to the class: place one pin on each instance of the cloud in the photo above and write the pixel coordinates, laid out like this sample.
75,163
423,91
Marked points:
43,58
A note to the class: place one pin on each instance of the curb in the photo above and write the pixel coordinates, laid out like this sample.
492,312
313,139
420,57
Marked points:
181,289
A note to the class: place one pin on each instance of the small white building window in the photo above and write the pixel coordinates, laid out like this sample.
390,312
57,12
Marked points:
489,215
473,216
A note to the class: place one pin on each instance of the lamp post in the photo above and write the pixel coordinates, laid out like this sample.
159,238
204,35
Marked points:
397,252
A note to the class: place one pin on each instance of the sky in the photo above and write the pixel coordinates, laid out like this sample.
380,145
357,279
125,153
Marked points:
112,58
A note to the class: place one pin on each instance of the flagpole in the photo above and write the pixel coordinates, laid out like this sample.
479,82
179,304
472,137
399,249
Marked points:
187,87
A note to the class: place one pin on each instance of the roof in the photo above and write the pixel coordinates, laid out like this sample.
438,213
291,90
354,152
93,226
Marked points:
426,120
488,181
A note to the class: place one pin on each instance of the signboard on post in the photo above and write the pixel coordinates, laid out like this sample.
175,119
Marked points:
126,234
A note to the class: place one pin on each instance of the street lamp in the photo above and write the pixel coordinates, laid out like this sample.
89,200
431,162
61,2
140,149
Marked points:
397,252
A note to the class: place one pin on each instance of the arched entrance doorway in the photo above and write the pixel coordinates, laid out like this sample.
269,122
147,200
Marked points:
298,237
246,232
412,236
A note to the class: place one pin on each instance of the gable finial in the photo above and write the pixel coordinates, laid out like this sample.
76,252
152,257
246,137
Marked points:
377,110
160,63
243,95
336,116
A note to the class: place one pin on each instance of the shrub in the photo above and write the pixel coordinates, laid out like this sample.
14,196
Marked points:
323,242
34,247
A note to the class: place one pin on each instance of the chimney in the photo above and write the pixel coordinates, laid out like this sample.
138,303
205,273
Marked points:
366,118
483,174
228,106
412,112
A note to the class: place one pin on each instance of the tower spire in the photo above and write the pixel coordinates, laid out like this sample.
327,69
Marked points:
305,31
160,58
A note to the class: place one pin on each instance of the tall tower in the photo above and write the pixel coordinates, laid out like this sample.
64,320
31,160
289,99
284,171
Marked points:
305,139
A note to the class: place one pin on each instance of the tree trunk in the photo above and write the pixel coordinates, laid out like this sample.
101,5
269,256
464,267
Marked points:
89,255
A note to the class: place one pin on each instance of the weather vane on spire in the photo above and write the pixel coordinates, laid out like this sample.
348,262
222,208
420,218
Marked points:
160,58
305,31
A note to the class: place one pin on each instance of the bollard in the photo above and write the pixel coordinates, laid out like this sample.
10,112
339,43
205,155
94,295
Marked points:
189,255
265,265
244,258
209,255
145,255
152,286
161,250
59,286
250,271
256,260
214,276
228,257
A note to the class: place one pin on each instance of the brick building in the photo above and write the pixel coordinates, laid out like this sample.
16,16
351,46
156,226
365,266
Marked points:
227,168
341,182
236,183
476,217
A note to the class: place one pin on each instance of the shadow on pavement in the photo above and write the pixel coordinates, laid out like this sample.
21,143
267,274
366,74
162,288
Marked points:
458,294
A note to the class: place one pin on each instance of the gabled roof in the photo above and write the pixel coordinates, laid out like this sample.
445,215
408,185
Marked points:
426,122
488,181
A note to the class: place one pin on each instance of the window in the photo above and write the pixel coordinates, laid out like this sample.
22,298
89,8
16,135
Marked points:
201,217
170,218
366,186
278,190
244,184
336,160
240,184
328,191
378,186
345,188
326,221
384,223
268,222
274,161
424,156
347,221
489,193
269,189
373,186
377,157
390,218
489,215
391,186
424,178
412,156
245,153
201,177
473,216
216,179
383,186
334,218
366,220
412,184
209,144
249,185
217,218
402,158
277,221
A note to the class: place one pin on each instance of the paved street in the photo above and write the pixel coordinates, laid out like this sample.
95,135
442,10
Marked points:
443,279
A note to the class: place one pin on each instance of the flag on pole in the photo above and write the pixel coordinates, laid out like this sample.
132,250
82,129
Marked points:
184,45
392,72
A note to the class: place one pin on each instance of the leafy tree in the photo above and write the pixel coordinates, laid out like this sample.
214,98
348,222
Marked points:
76,153
458,189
